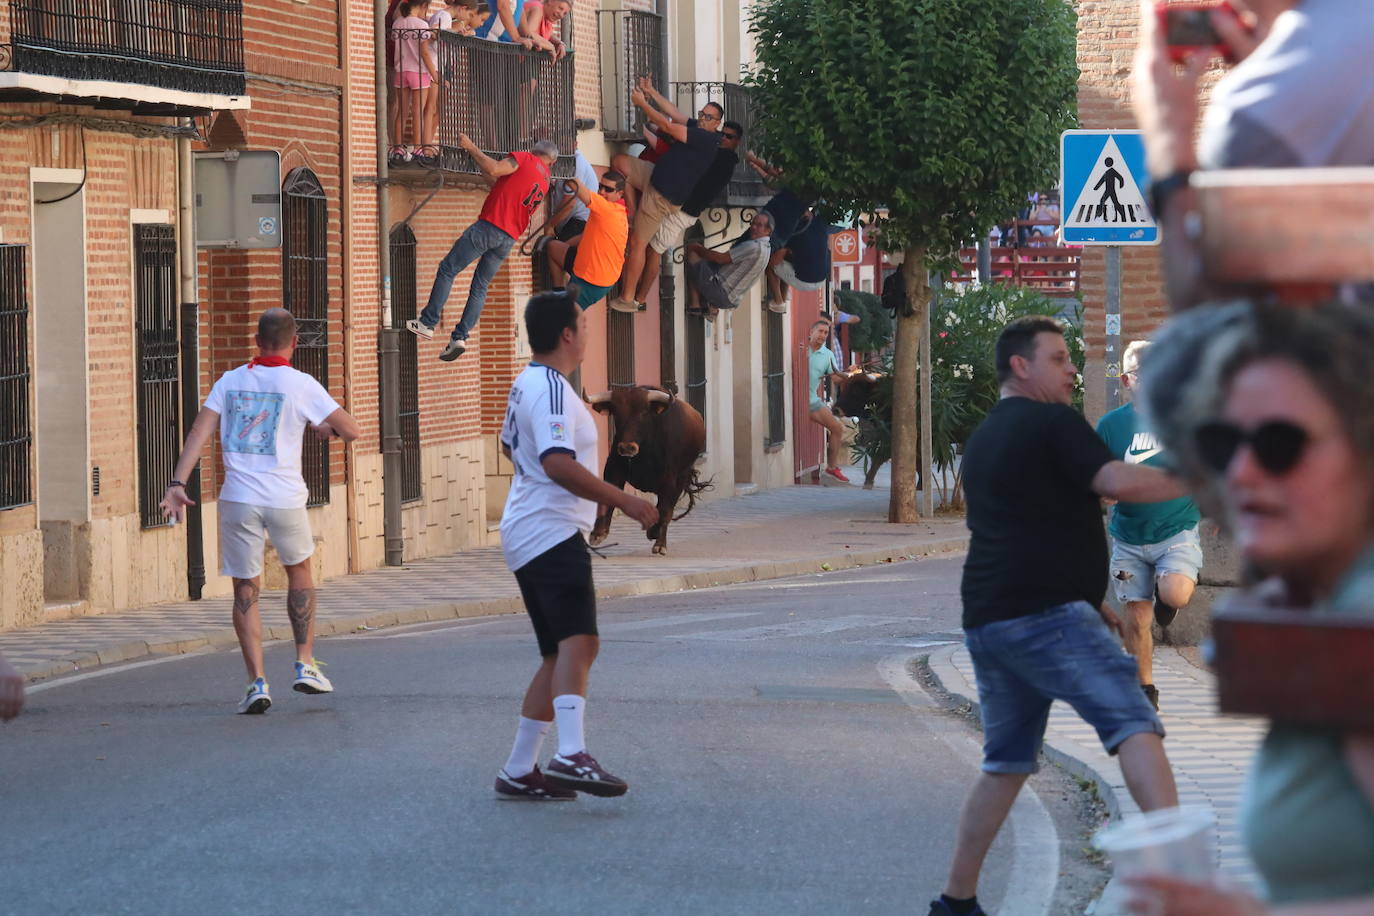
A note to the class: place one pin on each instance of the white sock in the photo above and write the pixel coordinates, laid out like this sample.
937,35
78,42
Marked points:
529,737
567,712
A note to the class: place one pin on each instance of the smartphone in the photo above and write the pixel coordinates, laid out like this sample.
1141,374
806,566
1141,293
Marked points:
1188,29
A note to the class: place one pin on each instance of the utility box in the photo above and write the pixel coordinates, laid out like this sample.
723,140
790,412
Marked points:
238,199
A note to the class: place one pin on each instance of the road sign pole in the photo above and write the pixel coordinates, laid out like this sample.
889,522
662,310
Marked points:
1111,359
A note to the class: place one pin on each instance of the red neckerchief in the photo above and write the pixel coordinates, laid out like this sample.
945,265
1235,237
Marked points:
268,361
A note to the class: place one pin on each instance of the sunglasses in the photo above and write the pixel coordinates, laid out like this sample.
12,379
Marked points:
1276,444
730,136
705,115
609,189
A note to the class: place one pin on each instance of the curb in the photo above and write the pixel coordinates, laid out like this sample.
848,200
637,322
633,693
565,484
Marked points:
225,638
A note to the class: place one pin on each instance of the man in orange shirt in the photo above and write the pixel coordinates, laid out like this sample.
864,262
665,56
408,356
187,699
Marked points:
594,264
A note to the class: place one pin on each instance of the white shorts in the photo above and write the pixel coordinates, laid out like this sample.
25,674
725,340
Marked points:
669,234
788,274
241,530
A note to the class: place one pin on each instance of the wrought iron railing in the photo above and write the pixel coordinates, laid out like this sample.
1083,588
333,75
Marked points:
305,293
632,44
620,349
192,45
504,98
695,331
746,188
774,377
404,299
667,324
16,421
159,377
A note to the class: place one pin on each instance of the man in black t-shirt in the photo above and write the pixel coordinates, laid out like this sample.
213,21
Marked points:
803,263
667,183
1033,585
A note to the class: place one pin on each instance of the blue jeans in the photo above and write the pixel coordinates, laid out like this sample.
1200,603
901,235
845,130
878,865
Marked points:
1064,653
481,240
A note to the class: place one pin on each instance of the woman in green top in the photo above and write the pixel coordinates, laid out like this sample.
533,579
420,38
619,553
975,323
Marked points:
1277,416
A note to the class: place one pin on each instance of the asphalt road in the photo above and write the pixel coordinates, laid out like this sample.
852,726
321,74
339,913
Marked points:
780,760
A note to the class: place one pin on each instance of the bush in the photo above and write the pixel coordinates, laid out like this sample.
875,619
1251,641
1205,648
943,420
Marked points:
873,333
963,385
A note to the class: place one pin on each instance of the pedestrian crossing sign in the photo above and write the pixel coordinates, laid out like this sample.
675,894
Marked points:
1102,178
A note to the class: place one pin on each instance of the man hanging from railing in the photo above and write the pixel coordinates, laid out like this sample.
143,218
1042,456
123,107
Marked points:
718,279
666,184
521,183
593,262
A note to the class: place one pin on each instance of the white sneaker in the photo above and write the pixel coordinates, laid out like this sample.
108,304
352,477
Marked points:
256,700
621,304
778,307
420,329
309,678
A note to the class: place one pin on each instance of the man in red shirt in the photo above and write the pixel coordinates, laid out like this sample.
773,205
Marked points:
521,183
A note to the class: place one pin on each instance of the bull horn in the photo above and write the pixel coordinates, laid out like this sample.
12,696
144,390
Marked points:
661,397
601,398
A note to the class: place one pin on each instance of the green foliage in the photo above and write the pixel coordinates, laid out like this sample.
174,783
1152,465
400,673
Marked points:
874,330
944,112
963,383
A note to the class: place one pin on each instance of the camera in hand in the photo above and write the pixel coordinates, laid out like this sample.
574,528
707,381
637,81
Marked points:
1188,29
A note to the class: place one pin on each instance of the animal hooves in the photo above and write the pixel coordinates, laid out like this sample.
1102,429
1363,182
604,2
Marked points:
661,551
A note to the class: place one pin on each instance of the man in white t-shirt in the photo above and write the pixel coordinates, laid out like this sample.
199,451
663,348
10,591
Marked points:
261,411
551,437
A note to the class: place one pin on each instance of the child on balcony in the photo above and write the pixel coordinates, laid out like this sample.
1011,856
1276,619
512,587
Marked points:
415,71
461,16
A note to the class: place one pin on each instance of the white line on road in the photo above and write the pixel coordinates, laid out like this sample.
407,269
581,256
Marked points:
804,628
465,625
64,680
1035,843
674,620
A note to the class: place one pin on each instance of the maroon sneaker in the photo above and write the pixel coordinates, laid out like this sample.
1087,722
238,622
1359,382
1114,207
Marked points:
580,771
530,787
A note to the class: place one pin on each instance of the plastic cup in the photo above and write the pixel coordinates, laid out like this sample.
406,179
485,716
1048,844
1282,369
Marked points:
1170,841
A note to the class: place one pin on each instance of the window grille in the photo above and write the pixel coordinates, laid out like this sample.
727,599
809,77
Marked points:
632,43
403,308
774,376
159,365
667,325
305,293
16,420
620,348
696,331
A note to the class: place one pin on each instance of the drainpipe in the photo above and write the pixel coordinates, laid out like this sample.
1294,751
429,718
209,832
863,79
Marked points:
190,353
388,338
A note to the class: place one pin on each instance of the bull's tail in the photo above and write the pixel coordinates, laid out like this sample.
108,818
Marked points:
694,488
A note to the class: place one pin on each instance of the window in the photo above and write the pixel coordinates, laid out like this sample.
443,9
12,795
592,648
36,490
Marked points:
403,308
620,348
16,422
667,325
305,293
774,377
159,376
695,332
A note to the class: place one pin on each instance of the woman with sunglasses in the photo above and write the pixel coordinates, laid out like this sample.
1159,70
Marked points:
1276,418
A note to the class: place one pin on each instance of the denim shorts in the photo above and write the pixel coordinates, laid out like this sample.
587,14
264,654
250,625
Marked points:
1135,567
1065,653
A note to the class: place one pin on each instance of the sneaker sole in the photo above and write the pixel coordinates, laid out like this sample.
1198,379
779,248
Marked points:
257,707
502,796
421,336
303,687
589,786
450,357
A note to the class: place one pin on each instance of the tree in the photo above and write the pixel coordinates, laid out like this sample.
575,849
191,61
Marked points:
934,116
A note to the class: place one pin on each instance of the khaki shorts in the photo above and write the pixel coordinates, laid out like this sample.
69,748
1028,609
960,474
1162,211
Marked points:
241,537
669,234
654,208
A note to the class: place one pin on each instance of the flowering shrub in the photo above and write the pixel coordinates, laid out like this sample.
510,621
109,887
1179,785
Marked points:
963,384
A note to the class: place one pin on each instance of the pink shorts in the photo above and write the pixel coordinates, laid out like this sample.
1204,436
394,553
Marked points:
410,80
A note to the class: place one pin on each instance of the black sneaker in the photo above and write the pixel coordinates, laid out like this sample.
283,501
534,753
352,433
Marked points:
1152,693
455,348
580,771
939,908
1164,614
530,787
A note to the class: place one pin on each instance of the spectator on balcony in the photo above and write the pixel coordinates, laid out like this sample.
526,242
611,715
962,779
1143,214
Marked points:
668,183
721,278
537,21
707,189
521,181
802,263
455,15
594,264
415,73
503,24
570,214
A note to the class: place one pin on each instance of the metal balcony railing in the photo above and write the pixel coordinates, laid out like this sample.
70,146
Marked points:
190,45
632,44
504,98
746,188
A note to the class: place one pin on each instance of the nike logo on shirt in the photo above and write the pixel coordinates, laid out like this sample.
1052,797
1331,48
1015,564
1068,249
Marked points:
1141,457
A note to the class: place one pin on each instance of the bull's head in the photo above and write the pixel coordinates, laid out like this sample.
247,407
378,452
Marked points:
628,406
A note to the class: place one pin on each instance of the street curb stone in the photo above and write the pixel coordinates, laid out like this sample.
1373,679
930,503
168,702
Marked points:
225,638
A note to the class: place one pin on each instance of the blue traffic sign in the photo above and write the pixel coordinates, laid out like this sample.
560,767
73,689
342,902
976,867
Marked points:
1102,180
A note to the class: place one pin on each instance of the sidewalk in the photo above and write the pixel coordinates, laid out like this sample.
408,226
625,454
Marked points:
774,533
1210,753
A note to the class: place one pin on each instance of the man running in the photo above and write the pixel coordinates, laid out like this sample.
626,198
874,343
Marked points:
521,182
551,438
261,411
595,260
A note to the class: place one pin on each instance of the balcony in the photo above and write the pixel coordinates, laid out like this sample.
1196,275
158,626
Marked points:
632,44
504,98
746,189
155,57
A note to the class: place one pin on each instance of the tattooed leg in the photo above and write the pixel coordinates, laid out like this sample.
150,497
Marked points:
300,607
248,624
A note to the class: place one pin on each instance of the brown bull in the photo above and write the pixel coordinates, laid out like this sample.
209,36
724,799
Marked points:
657,442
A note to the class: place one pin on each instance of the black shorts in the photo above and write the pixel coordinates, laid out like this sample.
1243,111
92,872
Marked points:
558,592
570,259
571,228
